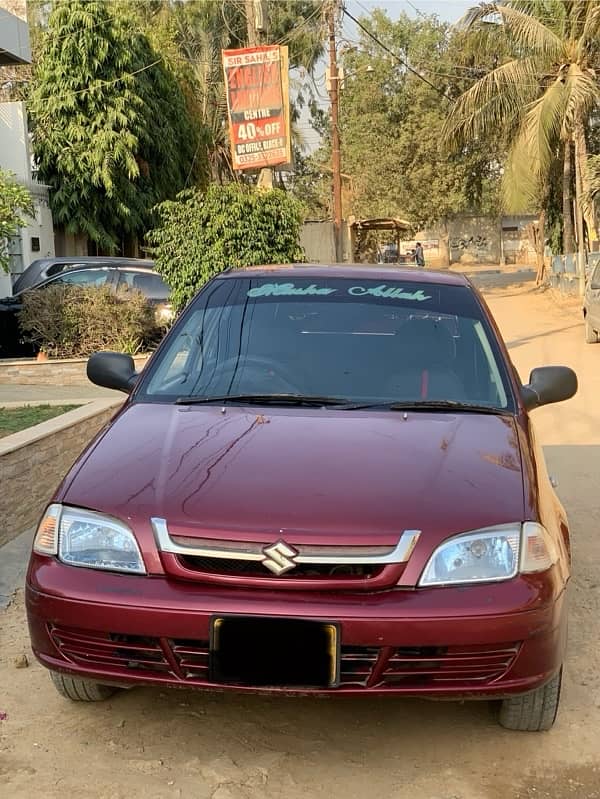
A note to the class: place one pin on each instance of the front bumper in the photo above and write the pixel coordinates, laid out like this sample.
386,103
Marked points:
483,641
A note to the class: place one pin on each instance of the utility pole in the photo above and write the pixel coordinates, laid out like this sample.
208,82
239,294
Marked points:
334,97
256,24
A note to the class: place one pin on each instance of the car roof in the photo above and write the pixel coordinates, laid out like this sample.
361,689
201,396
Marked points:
91,259
406,274
96,260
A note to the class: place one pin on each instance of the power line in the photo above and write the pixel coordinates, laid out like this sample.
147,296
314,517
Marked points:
395,56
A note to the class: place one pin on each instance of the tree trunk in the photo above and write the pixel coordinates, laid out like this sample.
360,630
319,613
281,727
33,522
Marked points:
567,200
540,240
581,158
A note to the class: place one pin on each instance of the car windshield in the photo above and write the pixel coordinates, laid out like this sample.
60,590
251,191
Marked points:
352,339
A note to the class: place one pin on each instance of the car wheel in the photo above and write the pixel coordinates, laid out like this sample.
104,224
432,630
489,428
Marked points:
591,336
534,711
80,690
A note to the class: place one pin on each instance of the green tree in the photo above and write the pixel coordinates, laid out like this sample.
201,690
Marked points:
15,205
111,131
202,233
391,128
543,95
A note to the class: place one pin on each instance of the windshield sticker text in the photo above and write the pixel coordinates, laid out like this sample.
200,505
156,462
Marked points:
383,291
288,290
389,293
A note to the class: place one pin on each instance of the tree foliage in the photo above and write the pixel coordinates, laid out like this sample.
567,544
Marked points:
202,233
15,205
111,130
393,162
543,93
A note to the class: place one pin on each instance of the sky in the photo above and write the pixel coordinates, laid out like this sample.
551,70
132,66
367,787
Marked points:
447,10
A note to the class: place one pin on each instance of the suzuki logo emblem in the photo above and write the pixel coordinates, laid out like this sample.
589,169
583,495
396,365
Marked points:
279,557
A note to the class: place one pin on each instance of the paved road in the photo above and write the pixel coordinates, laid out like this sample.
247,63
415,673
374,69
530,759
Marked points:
181,744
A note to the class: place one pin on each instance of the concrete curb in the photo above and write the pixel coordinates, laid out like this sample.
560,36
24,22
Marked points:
55,425
52,402
34,461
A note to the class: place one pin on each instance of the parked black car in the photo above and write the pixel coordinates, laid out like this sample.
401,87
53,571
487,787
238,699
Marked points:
117,273
40,270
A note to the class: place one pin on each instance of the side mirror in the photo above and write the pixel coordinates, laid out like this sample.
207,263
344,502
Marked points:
549,384
112,370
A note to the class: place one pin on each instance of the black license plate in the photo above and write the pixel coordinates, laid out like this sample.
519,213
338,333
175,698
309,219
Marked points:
284,653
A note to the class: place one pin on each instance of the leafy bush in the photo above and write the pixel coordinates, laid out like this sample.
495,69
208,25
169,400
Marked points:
75,321
203,233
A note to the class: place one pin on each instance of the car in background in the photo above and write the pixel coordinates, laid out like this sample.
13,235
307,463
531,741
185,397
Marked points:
116,275
591,301
324,481
39,270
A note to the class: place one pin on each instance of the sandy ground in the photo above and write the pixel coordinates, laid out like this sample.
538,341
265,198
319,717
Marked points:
185,744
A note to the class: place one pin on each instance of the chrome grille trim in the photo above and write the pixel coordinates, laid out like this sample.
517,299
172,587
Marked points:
241,550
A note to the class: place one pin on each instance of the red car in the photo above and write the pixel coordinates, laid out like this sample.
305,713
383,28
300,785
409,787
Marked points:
324,481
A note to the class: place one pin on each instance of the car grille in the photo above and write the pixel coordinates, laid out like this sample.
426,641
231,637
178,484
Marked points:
134,652
448,664
186,660
283,565
248,568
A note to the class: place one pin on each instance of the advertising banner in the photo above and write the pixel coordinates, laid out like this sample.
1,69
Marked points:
256,79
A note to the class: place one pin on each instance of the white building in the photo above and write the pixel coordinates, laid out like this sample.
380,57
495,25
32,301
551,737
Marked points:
14,33
37,239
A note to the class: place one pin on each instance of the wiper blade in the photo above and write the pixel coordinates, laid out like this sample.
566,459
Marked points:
442,405
264,399
428,405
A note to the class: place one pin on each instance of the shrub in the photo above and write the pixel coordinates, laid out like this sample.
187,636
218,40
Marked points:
75,321
202,233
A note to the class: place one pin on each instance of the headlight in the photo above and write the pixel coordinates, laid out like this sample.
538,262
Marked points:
481,556
490,555
84,538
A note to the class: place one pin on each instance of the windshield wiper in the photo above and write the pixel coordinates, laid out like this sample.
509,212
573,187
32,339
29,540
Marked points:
264,399
428,405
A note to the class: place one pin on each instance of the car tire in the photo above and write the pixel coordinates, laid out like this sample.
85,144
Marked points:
534,711
591,337
78,690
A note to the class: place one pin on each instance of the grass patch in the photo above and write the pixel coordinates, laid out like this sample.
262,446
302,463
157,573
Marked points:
14,419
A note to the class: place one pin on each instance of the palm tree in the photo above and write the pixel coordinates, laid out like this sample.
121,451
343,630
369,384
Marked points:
541,98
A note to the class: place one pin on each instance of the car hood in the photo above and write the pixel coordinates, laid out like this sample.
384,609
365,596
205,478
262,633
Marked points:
313,474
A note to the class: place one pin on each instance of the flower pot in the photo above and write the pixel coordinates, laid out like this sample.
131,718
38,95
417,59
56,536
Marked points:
42,356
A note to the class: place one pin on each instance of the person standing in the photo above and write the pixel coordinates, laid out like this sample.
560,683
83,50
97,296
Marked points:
419,255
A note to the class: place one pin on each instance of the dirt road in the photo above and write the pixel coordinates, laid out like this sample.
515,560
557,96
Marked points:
184,744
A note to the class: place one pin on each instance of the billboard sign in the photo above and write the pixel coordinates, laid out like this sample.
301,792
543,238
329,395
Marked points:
256,79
